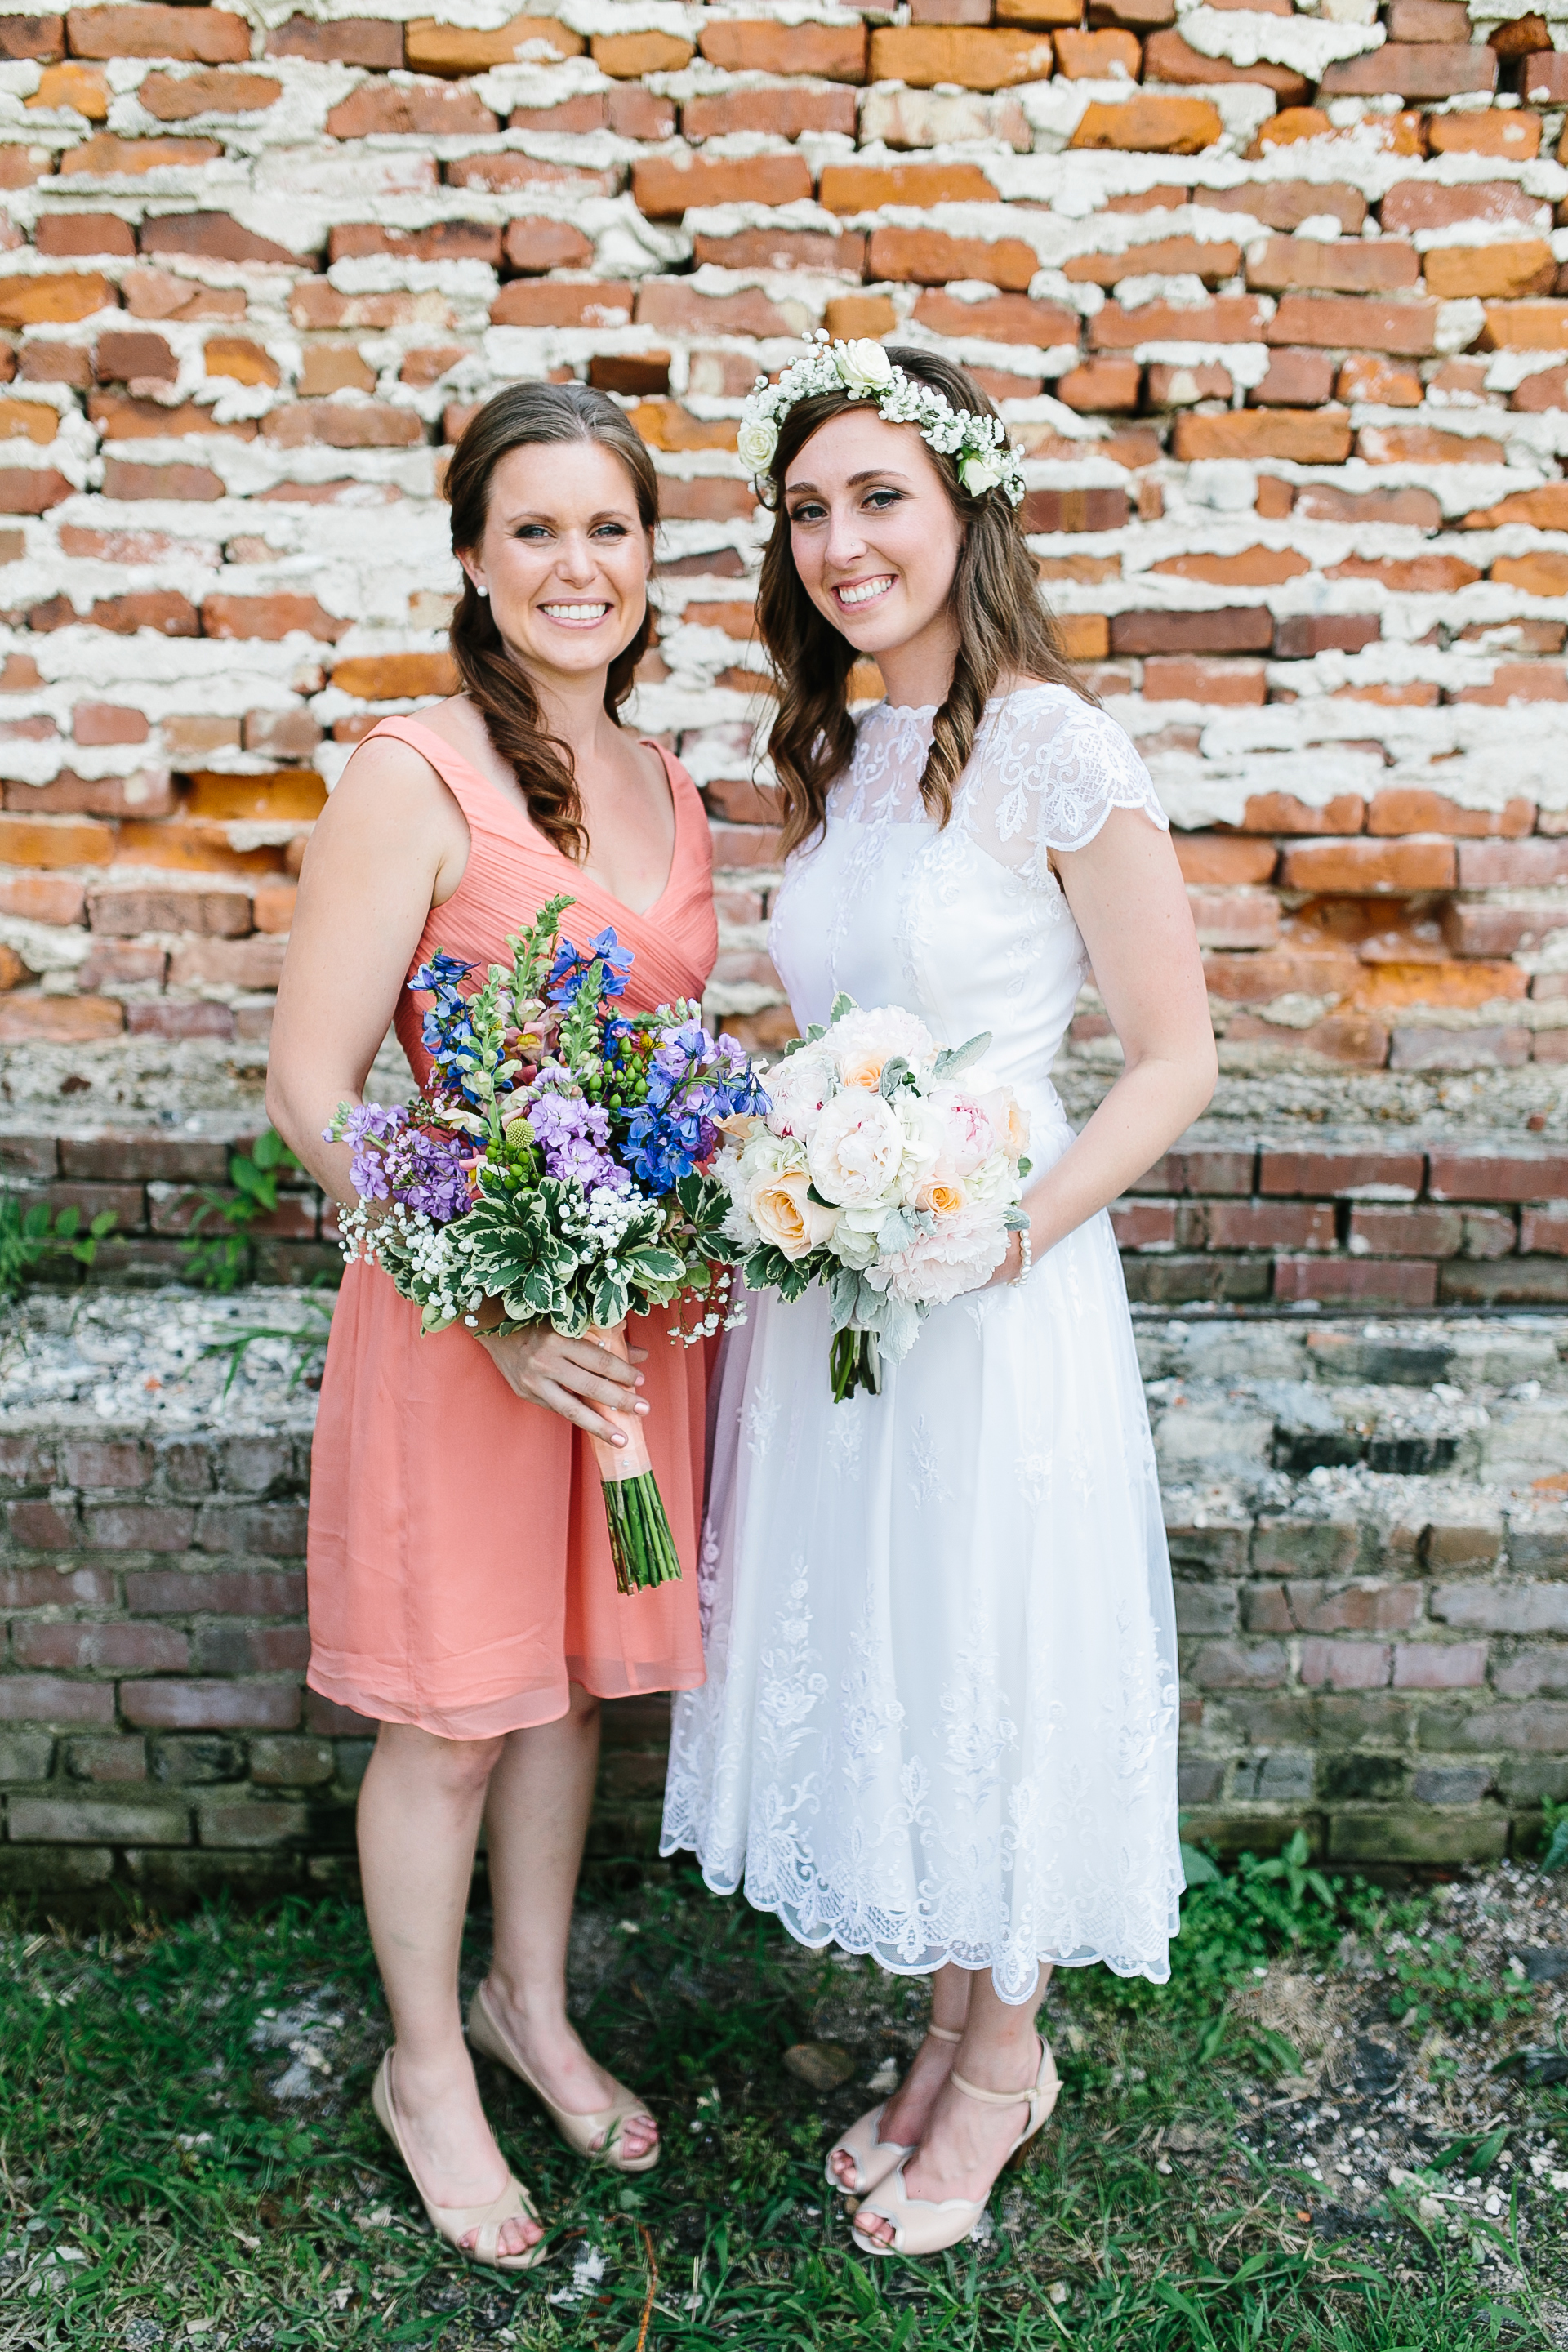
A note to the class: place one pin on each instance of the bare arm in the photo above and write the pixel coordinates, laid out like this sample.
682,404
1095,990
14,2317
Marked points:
391,843
1129,902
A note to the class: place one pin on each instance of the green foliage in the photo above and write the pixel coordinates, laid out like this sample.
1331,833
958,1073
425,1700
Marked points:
306,1342
1234,1922
219,1252
155,2178
1435,1985
29,1234
1555,1857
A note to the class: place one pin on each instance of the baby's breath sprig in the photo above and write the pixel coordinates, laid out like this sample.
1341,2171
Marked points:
986,458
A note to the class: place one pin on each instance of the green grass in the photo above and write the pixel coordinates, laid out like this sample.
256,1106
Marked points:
150,2178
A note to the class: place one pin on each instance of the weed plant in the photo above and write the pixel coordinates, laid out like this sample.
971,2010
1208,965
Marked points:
188,2160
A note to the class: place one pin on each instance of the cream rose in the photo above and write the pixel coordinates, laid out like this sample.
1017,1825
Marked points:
1009,1120
756,441
979,475
855,1150
864,365
785,1215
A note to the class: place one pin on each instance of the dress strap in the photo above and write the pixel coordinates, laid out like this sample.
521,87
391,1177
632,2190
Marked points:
474,793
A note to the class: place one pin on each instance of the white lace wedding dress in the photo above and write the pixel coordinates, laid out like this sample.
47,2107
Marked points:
940,1718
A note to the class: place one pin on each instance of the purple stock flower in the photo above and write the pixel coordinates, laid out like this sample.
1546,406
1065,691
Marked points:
575,1135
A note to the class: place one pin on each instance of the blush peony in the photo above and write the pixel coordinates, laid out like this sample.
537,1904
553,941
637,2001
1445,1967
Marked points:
797,1088
959,1254
856,1150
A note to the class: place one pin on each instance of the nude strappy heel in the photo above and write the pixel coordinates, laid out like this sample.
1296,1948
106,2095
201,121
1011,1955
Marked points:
920,2227
595,2135
873,2158
454,2222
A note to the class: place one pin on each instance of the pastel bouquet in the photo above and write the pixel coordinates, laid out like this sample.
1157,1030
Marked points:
879,1169
557,1159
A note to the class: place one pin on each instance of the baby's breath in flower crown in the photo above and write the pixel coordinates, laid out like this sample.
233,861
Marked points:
986,458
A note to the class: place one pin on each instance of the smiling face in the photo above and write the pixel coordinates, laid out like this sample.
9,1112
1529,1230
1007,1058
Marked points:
564,557
875,543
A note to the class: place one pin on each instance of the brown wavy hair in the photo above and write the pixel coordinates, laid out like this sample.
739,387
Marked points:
499,686
1004,627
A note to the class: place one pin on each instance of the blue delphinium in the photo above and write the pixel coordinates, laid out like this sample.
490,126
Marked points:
448,1030
692,1083
570,969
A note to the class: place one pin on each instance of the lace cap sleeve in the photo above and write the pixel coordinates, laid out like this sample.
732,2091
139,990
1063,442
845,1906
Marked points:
1066,765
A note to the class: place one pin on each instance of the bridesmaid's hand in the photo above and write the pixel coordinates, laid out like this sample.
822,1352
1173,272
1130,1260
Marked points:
568,1376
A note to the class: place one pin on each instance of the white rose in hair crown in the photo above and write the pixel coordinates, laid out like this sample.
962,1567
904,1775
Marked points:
985,458
880,1170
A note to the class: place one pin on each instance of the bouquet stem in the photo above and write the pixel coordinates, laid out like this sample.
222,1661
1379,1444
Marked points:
853,1362
641,1545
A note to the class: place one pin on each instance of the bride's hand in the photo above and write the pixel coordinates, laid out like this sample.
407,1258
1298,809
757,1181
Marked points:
1011,1266
570,1377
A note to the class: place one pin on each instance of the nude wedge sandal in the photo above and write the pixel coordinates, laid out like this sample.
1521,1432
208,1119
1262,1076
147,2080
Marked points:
594,2136
454,2222
920,2227
873,2156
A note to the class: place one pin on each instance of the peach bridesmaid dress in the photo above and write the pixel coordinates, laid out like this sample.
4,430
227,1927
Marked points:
460,1567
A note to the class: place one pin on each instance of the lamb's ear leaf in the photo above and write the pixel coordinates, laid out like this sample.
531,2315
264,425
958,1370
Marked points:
949,1062
895,1072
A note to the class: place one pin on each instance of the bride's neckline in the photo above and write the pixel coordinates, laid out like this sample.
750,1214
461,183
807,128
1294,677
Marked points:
930,709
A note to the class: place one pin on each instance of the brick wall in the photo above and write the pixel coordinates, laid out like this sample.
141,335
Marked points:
1368,1525
154,1733
1272,301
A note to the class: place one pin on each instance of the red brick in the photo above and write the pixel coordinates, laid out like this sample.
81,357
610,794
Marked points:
1223,858
1439,1666
188,1159
208,1705
1544,1230
1175,677
274,1529
1295,380
784,112
1388,1231
1238,1666
1344,1665
1462,1174
77,235
1352,1172
1404,809
1228,319
103,1462
427,110
1306,634
1490,932
929,256
271,616
51,1588
826,52
560,302
1534,865
1074,510
1347,265
1359,868
1364,1608
104,1648
39,37
368,41
1167,58
213,237
1544,80
1150,124
45,1699
208,36
324,1715
669,305
41,1527
1264,1224
1403,1281
1143,1224
663,188
255,1592
1353,322
135,1526
125,913
1227,629
1418,70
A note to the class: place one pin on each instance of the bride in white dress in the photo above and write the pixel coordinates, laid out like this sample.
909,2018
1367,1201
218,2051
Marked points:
939,1719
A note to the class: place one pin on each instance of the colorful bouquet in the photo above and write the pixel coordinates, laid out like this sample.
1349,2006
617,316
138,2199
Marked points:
874,1171
557,1159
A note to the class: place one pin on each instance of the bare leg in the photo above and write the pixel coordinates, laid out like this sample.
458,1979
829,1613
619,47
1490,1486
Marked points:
908,2112
965,2145
418,1820
537,1817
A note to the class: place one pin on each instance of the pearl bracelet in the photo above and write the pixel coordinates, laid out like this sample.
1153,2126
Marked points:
1025,1256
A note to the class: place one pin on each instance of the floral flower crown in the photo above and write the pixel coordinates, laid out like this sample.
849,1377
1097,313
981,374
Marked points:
986,458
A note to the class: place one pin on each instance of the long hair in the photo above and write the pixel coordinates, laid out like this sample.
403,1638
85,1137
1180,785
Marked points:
494,682
1003,628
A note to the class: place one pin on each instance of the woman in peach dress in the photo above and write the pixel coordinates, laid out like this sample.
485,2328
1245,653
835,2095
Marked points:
461,1589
